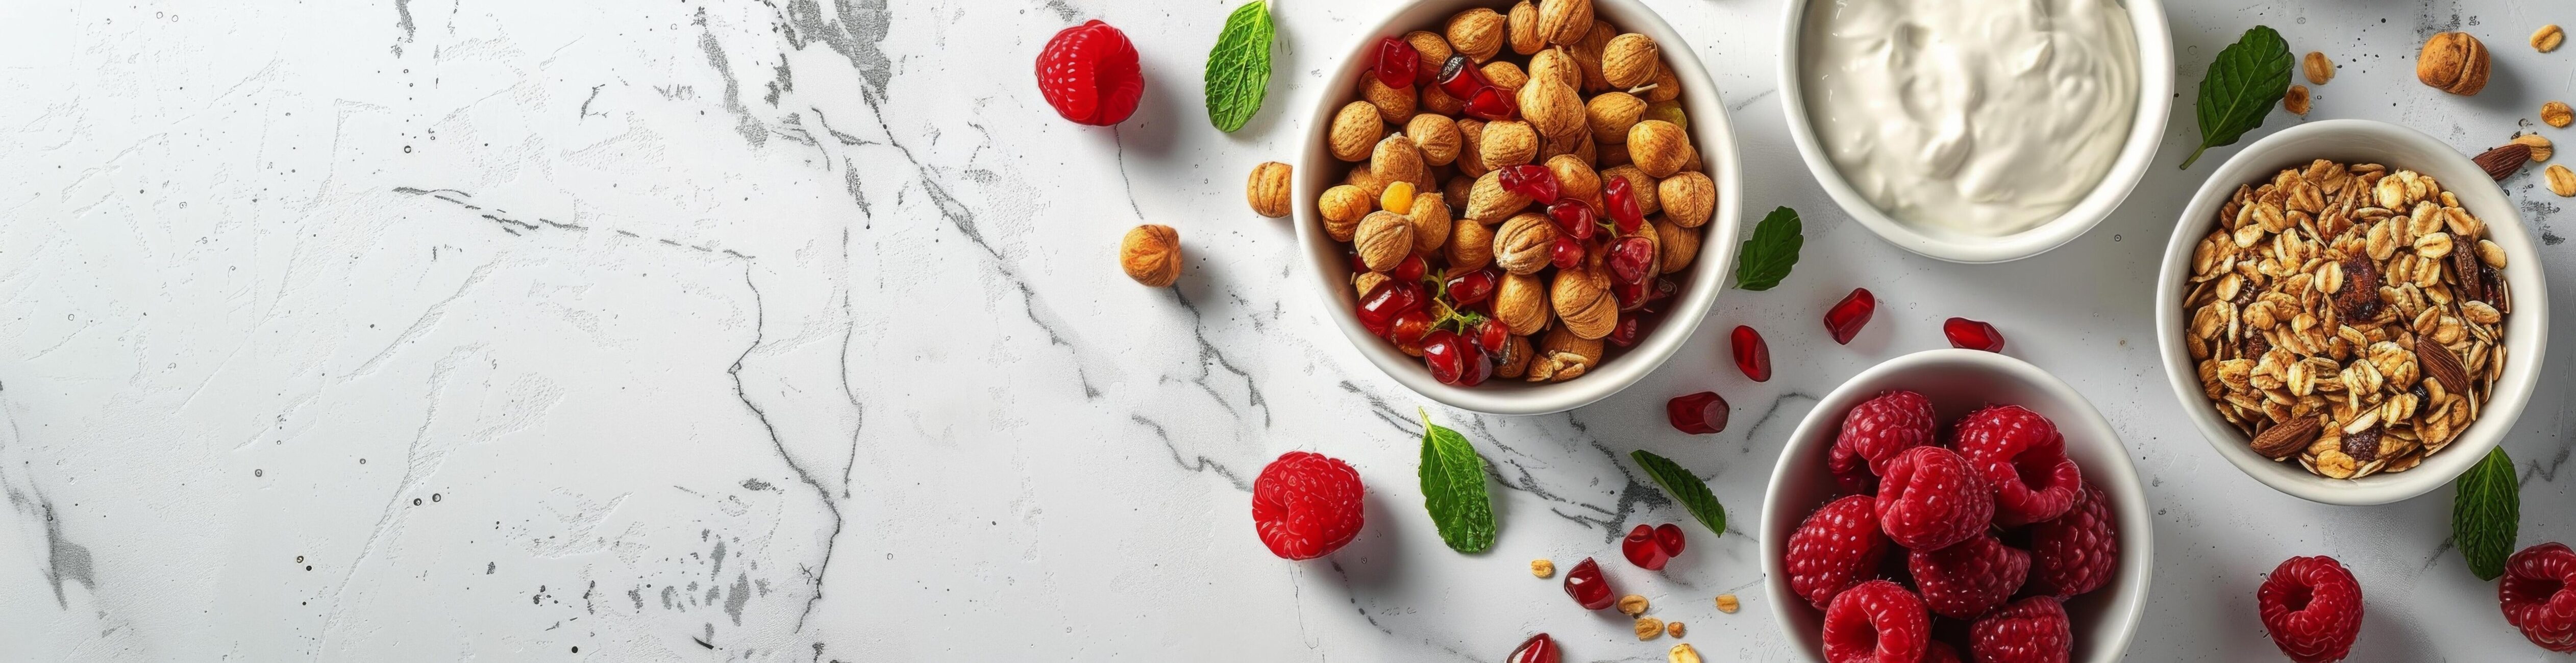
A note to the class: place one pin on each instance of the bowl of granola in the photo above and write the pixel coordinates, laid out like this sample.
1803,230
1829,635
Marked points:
2352,312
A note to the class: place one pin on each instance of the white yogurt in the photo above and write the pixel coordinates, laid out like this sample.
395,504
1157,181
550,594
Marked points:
1976,117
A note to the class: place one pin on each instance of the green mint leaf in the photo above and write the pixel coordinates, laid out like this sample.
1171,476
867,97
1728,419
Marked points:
1685,488
1453,489
1766,257
2486,514
2243,85
1238,68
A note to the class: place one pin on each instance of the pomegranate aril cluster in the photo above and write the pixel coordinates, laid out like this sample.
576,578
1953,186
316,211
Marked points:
1650,547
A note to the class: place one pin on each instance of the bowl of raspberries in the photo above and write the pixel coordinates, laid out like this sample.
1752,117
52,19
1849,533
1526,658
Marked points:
1956,505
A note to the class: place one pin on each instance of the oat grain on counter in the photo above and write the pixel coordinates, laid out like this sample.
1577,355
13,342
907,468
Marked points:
1632,605
2540,148
1542,568
1726,603
2557,114
2561,180
1649,628
2547,38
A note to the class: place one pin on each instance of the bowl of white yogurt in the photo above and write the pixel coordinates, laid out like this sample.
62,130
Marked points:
1977,131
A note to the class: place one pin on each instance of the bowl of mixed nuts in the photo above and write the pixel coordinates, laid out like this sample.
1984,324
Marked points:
2352,312
1505,202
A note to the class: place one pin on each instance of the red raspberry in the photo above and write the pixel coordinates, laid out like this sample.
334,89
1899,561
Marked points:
2031,630
1876,622
1838,546
2077,552
2539,595
2313,608
1928,499
1940,652
1306,505
1875,431
1089,74
2021,454
1968,579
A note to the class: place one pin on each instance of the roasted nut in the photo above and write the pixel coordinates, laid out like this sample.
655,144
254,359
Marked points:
1432,48
1658,148
1564,22
1151,254
1471,244
1267,189
1587,56
1356,129
2561,181
2296,100
1384,239
1558,64
1521,303
1682,653
1726,603
1515,363
1678,246
1437,101
1394,104
1610,114
1505,75
1367,180
2547,38
2286,438
1649,628
2453,62
1582,300
1397,160
2319,68
1455,192
1629,60
1540,567
2540,147
1478,33
1574,179
1367,281
1689,197
1522,28
1435,137
2504,160
1489,201
1523,246
1471,151
2557,114
1648,200
1343,206
1507,143
1673,629
1667,86
1632,605
1552,108
1431,221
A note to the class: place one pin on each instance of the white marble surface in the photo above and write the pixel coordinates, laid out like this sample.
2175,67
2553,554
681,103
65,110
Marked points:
758,330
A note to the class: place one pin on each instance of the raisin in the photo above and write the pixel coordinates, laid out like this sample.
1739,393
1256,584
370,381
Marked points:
2359,299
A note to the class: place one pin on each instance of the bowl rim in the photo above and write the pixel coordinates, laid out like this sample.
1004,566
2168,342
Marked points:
2116,474
1711,131
2137,152
2527,328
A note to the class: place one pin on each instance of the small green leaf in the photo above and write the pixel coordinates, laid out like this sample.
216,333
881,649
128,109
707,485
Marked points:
1684,488
1453,489
2486,514
2242,86
1238,68
1766,257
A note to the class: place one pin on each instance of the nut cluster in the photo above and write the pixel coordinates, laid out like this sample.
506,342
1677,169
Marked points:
2348,316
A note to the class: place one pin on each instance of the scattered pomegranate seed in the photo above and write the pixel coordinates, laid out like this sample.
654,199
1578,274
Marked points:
1586,585
1847,316
1411,269
1453,360
1397,62
1573,217
1651,547
1623,204
1632,259
1702,413
1537,649
1628,330
1377,311
1669,536
1973,335
1492,335
1751,354
1532,181
1632,296
1490,103
1567,253
1664,288
1460,78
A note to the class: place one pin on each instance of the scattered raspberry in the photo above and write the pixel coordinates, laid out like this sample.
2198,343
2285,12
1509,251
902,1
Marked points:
2077,552
1089,74
1928,499
1875,431
2031,630
2022,454
1876,622
1306,505
1837,547
2539,595
1940,652
1968,579
2313,608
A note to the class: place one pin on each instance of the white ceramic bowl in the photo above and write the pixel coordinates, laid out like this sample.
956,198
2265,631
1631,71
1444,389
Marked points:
1959,381
2155,99
2399,148
1330,272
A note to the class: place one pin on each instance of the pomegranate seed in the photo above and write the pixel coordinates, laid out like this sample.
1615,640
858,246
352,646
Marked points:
1664,289
1357,265
1751,354
1632,259
1669,536
1623,204
1632,328
1472,287
1532,181
1460,78
1377,311
1440,352
1702,413
1586,585
1397,62
1574,217
1973,335
1491,103
1847,316
1492,336
1642,550
1412,269
1410,330
1632,296
1567,253
1537,649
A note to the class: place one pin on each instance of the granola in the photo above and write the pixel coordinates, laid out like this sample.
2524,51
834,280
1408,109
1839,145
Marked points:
2348,317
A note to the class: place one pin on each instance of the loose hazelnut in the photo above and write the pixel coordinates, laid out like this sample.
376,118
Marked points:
1151,254
1435,136
1658,148
1552,108
2453,62
1384,239
2296,100
1521,303
1523,245
1471,244
1267,189
1437,101
1522,28
1455,192
1432,49
1574,179
1478,33
1667,86
1505,75
1507,143
1633,605
1396,160
1564,22
1587,56
1471,151
1678,244
1488,201
1430,216
1610,114
1688,197
1367,180
2319,69
1343,206
1582,299
1558,64
1355,130
1629,60
1394,104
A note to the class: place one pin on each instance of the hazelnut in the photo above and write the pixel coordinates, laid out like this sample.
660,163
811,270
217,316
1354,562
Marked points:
1471,156
2319,69
2296,100
1515,363
1582,299
1587,56
1689,197
1367,180
1564,22
1432,48
1435,136
1394,104
1649,628
1367,281
1507,143
2557,114
1489,200
1676,245
1384,240
1541,567
1574,143
1471,244
1521,303
1552,108
1633,605
1521,27
1396,160
1343,206
1455,192
2453,62
1267,189
1557,64
1505,75
1658,148
1151,254
1355,130
1648,202
1478,33
1667,86
1610,114
1523,246
1574,179
1431,221
1563,341
1437,101
1629,60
